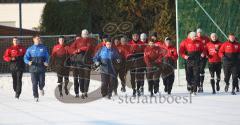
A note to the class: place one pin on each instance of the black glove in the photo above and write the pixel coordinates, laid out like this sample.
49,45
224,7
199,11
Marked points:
190,58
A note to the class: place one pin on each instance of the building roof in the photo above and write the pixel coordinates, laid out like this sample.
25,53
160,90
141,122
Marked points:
12,31
23,1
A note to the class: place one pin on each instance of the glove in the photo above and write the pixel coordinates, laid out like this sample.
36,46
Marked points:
155,68
13,59
45,64
190,58
30,63
76,51
97,64
118,61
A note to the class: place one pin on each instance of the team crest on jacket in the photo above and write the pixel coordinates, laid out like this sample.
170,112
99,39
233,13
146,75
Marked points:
197,45
20,50
41,50
236,46
13,51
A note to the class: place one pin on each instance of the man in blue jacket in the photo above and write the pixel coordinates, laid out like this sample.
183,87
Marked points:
37,58
105,58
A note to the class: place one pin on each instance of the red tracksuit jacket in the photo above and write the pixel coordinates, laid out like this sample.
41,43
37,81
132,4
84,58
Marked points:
60,50
59,55
190,48
136,47
83,44
124,51
212,49
159,44
229,51
153,55
14,52
171,52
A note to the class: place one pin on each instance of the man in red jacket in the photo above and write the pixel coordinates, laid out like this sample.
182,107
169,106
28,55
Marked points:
186,71
203,61
137,73
59,55
157,42
82,51
214,60
153,59
14,56
124,52
192,50
169,64
229,52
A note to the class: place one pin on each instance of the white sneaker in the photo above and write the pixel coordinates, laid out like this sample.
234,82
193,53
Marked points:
36,99
42,92
194,94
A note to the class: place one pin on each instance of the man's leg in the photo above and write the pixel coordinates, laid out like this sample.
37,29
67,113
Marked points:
140,80
227,74
104,85
149,75
60,83
115,82
66,81
87,73
76,82
81,80
234,72
35,80
212,70
19,83
218,74
14,78
156,80
41,82
189,75
170,82
202,73
122,76
196,77
110,85
133,82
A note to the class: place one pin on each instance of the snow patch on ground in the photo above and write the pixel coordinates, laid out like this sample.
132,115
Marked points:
205,108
